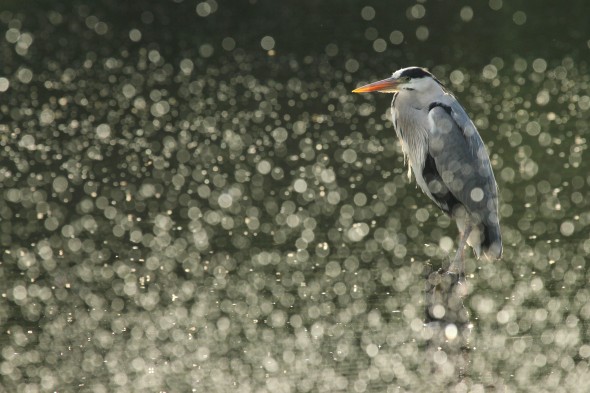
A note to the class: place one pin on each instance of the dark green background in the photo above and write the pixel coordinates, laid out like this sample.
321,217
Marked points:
177,215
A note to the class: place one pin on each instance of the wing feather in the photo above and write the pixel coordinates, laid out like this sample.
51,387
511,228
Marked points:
464,168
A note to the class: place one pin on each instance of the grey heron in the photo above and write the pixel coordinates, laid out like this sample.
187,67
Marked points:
447,156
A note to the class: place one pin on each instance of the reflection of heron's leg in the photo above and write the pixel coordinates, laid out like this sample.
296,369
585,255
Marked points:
457,264
447,319
433,293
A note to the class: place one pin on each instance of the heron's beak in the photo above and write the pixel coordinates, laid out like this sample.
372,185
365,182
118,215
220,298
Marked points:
389,85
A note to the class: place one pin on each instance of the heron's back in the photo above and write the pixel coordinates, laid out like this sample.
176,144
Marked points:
451,166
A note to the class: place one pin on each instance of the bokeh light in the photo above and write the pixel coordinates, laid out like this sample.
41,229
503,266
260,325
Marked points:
192,199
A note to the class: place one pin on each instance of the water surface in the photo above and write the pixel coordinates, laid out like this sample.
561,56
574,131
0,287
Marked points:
191,199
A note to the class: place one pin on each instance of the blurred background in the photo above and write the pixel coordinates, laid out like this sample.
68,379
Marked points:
191,199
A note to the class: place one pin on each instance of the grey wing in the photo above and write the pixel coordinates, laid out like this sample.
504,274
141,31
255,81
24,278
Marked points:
462,162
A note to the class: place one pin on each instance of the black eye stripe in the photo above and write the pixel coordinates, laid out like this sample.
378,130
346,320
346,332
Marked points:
415,72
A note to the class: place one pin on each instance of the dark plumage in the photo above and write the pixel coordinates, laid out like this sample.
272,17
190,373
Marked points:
415,72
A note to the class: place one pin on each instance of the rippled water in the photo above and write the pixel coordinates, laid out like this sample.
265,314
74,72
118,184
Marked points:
191,199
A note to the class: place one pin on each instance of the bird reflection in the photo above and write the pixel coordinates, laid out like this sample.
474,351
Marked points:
447,322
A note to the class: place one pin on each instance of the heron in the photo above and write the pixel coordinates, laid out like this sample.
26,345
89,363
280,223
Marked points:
447,156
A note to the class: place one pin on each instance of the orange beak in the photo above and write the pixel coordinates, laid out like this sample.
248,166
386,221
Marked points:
389,85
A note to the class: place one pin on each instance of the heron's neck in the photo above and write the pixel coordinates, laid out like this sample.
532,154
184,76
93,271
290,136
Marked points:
419,101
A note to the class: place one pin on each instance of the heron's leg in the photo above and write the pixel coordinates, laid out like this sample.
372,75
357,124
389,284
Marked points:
456,266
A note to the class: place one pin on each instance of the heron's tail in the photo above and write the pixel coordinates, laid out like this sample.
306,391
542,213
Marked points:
491,245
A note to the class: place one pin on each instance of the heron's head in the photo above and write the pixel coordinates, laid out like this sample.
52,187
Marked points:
411,79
